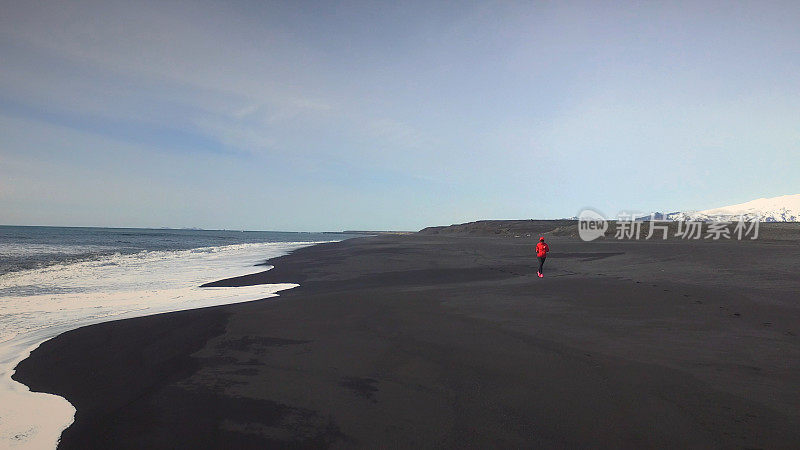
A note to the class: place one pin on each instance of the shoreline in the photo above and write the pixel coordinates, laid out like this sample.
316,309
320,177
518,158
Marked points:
453,341
21,420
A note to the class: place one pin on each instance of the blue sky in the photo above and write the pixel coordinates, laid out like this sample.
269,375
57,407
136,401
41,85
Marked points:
342,115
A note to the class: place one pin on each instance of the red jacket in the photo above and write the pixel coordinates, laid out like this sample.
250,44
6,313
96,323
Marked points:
542,249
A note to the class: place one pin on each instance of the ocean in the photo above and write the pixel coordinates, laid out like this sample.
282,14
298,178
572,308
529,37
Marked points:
24,248
55,279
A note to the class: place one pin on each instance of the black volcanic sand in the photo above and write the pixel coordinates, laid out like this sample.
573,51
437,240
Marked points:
453,341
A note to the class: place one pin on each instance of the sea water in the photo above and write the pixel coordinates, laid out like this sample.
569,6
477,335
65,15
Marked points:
57,279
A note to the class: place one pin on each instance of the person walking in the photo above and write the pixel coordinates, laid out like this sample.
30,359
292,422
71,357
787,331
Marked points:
541,253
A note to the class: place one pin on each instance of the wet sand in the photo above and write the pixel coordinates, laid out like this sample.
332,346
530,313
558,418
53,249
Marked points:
453,341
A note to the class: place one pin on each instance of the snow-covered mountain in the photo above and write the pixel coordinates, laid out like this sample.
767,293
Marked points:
785,208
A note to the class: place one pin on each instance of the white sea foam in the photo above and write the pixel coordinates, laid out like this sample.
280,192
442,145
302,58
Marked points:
39,304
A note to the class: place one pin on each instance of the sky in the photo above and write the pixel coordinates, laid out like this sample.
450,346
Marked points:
311,116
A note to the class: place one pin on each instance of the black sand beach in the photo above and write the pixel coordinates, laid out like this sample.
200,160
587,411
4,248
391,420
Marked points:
451,340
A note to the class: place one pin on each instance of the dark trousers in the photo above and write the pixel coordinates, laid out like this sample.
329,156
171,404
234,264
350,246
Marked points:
541,263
